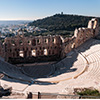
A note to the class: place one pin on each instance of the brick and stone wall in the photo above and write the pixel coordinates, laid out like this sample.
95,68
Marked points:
27,47
80,36
19,47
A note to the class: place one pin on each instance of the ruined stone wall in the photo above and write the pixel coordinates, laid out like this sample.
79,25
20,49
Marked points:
27,47
80,36
24,47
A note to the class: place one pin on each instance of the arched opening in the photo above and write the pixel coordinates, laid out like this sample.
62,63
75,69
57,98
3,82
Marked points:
13,42
92,24
46,40
34,52
20,42
21,53
38,41
33,42
45,52
54,40
29,42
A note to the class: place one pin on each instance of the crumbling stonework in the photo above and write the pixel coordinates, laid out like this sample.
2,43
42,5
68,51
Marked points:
27,47
80,36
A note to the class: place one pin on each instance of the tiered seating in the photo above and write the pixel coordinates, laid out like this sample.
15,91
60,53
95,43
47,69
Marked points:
98,53
93,66
93,73
90,44
96,60
89,52
91,59
90,77
68,68
59,64
38,70
13,71
83,80
93,48
97,74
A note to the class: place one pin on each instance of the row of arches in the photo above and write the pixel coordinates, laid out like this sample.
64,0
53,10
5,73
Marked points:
54,47
34,53
33,42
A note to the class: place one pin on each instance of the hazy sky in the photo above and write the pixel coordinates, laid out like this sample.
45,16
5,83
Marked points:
34,9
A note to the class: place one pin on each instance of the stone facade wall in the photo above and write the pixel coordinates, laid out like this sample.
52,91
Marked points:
16,47
24,47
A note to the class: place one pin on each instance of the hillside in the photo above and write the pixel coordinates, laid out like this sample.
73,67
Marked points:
62,24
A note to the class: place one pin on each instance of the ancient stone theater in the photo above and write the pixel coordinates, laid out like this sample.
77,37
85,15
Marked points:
52,64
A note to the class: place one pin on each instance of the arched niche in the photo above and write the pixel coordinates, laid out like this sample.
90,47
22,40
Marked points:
21,53
45,52
34,42
33,52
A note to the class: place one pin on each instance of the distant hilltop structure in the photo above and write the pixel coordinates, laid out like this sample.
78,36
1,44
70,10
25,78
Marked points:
19,48
61,13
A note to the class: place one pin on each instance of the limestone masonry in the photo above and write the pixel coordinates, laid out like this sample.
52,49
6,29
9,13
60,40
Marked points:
20,47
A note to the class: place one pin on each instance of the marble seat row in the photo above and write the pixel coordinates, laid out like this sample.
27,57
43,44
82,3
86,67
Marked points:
12,71
38,70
